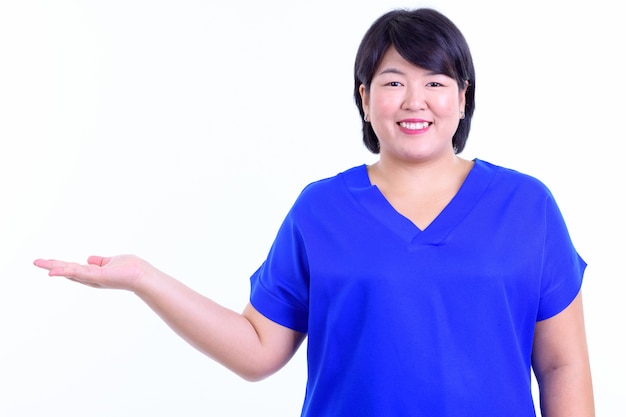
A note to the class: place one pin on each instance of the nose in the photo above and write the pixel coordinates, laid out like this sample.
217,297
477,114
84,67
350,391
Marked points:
414,98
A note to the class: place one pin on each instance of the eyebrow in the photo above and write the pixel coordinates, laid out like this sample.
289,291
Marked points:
393,70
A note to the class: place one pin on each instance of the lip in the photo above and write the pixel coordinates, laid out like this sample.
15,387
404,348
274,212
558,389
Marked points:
414,126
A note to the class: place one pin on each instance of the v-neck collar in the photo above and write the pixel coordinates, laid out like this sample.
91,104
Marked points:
470,192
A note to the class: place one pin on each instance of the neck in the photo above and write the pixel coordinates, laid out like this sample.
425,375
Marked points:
425,175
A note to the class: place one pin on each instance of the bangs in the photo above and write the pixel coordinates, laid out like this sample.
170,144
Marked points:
427,45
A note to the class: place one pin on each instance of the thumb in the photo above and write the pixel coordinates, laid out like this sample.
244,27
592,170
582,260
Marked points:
98,260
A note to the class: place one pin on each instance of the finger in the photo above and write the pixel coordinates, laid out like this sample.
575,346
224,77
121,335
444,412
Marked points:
98,260
68,269
85,274
49,263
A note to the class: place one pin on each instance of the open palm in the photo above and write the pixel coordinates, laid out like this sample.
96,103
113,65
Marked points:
120,272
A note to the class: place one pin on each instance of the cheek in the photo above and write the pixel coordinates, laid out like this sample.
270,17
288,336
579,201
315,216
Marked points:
383,104
449,105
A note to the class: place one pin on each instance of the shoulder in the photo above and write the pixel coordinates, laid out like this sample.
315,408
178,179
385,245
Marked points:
509,180
337,184
327,195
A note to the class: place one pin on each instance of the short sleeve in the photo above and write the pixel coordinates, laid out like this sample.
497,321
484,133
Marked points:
562,266
280,287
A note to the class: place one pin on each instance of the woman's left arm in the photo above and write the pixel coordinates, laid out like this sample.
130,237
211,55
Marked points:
561,364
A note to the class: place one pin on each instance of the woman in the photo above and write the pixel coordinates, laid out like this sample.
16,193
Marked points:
427,284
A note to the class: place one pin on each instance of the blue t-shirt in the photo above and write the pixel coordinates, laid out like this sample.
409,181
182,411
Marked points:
409,322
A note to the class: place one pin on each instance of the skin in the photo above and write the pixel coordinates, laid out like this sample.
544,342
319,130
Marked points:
419,173
561,364
248,343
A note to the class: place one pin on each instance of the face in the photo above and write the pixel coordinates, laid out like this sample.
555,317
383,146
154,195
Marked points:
413,111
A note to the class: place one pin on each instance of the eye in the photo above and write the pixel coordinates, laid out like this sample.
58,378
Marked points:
434,84
394,84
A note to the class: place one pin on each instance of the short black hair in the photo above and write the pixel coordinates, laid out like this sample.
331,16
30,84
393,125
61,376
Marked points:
427,39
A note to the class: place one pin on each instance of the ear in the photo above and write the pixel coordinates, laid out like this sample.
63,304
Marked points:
365,99
462,95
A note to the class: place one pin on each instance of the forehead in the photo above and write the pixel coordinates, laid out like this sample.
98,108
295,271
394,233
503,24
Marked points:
392,55
394,63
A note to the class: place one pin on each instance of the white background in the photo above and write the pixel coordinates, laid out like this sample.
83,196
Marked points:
182,131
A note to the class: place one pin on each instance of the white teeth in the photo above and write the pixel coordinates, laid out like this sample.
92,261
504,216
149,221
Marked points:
414,126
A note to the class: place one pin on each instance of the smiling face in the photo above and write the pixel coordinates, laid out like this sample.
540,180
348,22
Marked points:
413,111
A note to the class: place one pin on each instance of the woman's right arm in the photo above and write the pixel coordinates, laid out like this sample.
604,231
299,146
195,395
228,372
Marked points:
249,344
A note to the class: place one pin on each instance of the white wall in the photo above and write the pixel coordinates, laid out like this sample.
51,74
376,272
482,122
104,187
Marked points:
182,132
